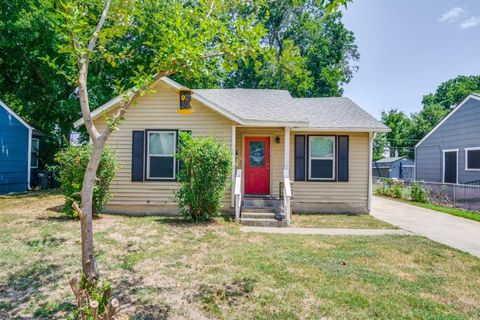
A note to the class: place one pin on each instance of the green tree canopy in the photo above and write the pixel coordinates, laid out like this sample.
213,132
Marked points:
306,51
301,49
453,91
398,140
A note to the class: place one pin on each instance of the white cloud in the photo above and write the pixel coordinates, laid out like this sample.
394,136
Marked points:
470,23
453,15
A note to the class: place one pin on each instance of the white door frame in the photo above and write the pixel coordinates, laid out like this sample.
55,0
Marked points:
443,164
255,135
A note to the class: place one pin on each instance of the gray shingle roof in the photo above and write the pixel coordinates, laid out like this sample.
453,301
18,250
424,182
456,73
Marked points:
253,104
278,105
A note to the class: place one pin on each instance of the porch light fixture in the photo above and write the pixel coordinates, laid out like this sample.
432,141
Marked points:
277,139
185,99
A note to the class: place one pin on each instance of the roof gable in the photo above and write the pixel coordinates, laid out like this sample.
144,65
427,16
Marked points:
16,116
271,107
458,107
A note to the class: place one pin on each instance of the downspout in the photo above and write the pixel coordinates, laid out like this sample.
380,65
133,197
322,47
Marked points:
29,162
234,163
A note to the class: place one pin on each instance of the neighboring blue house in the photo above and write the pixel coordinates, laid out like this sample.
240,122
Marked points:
16,151
450,153
397,167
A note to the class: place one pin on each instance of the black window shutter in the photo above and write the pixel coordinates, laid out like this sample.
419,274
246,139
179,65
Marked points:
343,158
300,158
179,162
138,145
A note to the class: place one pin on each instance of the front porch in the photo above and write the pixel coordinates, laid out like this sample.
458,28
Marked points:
260,170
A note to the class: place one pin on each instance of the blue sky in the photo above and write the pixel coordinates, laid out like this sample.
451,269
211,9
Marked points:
408,47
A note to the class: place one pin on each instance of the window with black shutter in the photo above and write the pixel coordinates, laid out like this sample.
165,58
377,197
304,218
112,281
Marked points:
299,157
179,145
343,155
321,157
160,154
137,155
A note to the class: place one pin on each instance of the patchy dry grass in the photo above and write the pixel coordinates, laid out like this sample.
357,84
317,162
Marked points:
165,268
329,220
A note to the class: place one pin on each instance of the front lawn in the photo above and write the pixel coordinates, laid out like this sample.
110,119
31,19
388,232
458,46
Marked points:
165,268
330,220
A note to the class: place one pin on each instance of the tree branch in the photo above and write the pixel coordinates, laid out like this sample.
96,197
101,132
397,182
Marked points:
121,112
103,17
83,60
212,6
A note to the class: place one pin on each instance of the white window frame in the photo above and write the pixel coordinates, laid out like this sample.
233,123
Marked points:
443,165
31,162
161,155
466,158
310,158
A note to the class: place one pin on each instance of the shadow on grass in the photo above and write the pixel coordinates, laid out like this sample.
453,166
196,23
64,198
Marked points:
31,194
182,222
330,214
24,286
130,290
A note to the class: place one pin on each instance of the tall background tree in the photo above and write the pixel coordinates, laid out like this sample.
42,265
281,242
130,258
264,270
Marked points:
305,50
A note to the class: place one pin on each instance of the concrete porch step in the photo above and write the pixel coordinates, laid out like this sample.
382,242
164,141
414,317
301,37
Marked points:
258,209
258,215
256,222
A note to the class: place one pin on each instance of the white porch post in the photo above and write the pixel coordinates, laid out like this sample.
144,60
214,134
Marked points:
371,136
234,162
287,149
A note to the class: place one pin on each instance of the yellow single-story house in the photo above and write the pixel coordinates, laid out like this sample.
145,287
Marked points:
288,154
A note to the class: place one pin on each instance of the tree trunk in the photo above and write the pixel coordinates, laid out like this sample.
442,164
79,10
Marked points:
89,266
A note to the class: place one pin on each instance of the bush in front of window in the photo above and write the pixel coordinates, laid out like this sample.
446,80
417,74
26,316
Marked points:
205,167
70,168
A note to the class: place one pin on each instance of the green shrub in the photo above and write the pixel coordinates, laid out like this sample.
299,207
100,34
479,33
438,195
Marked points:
70,168
418,193
205,166
383,187
396,191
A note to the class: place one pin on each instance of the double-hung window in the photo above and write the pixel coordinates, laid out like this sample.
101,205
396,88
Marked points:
321,158
34,153
161,147
472,159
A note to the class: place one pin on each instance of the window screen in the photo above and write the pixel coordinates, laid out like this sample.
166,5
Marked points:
34,153
321,151
161,147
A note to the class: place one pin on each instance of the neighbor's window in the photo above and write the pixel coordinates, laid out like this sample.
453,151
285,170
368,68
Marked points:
34,153
321,158
472,158
161,154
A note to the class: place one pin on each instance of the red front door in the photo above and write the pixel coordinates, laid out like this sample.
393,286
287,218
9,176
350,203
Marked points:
257,165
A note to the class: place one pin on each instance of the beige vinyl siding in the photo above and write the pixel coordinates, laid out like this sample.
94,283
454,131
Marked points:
276,152
315,196
158,111
351,196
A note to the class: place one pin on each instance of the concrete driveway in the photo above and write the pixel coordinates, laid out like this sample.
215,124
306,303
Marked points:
459,233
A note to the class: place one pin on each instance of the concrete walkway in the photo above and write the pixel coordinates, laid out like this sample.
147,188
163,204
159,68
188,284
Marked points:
459,233
328,232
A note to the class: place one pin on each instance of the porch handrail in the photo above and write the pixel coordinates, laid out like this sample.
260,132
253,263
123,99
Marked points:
287,194
238,194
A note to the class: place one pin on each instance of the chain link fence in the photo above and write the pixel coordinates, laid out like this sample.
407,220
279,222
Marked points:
455,195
